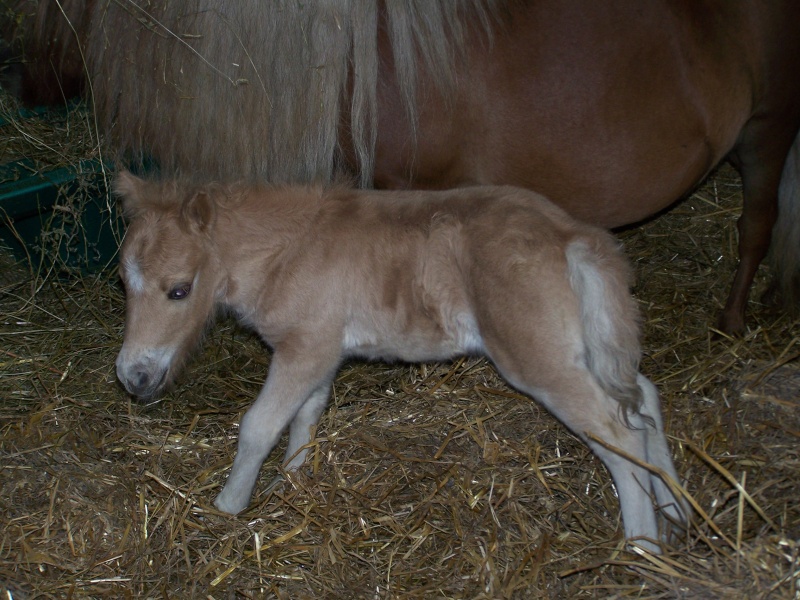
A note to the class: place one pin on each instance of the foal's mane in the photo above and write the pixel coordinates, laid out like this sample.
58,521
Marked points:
174,195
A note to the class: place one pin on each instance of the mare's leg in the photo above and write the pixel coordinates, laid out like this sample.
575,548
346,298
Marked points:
760,156
295,378
658,455
300,429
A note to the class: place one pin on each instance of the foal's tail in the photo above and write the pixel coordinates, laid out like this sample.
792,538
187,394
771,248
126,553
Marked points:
600,277
785,248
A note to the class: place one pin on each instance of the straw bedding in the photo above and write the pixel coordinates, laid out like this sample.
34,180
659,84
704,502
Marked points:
423,480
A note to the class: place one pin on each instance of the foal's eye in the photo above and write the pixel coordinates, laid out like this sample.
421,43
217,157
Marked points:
180,292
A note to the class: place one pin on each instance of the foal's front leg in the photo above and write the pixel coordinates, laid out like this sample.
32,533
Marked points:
300,429
296,379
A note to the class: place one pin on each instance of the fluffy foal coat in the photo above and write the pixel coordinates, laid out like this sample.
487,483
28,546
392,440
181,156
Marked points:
327,274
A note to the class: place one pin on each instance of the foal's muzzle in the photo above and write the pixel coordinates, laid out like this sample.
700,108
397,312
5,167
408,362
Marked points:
143,373
142,382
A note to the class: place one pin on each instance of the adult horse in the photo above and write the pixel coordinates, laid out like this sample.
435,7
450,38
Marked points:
613,109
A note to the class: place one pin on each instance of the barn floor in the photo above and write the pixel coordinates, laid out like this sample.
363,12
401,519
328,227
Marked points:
423,481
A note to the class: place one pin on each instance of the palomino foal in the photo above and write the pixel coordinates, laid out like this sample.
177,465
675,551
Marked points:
326,274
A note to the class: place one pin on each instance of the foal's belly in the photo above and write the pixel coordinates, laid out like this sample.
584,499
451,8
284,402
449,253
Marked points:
421,342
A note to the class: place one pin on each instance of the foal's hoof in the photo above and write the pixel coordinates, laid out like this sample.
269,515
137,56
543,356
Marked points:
278,480
230,503
639,544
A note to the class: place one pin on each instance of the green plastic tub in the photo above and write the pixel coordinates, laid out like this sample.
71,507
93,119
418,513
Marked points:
60,218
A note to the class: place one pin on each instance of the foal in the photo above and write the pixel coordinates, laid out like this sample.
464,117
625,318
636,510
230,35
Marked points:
326,274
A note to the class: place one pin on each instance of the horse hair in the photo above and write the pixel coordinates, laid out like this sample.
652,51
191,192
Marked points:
273,124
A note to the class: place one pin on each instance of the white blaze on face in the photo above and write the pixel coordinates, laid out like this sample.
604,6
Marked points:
148,350
134,280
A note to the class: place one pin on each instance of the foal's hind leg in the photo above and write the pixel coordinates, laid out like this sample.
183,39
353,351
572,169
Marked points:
633,481
658,455
572,395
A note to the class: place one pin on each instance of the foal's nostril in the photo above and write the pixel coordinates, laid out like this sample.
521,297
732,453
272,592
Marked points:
140,380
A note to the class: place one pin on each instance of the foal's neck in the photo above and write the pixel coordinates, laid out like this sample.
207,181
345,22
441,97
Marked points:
255,235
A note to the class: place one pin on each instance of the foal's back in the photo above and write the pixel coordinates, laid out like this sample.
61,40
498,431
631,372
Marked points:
409,275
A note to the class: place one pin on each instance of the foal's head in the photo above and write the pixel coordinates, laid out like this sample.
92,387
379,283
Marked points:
172,276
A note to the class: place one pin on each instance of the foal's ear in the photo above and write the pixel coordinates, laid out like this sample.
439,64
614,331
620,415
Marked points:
131,190
199,211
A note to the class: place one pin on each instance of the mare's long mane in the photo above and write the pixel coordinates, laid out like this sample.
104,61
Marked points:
267,82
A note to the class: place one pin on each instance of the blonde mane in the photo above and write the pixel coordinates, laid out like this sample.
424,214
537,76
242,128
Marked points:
272,79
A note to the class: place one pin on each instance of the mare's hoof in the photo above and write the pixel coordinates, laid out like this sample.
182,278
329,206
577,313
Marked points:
731,324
